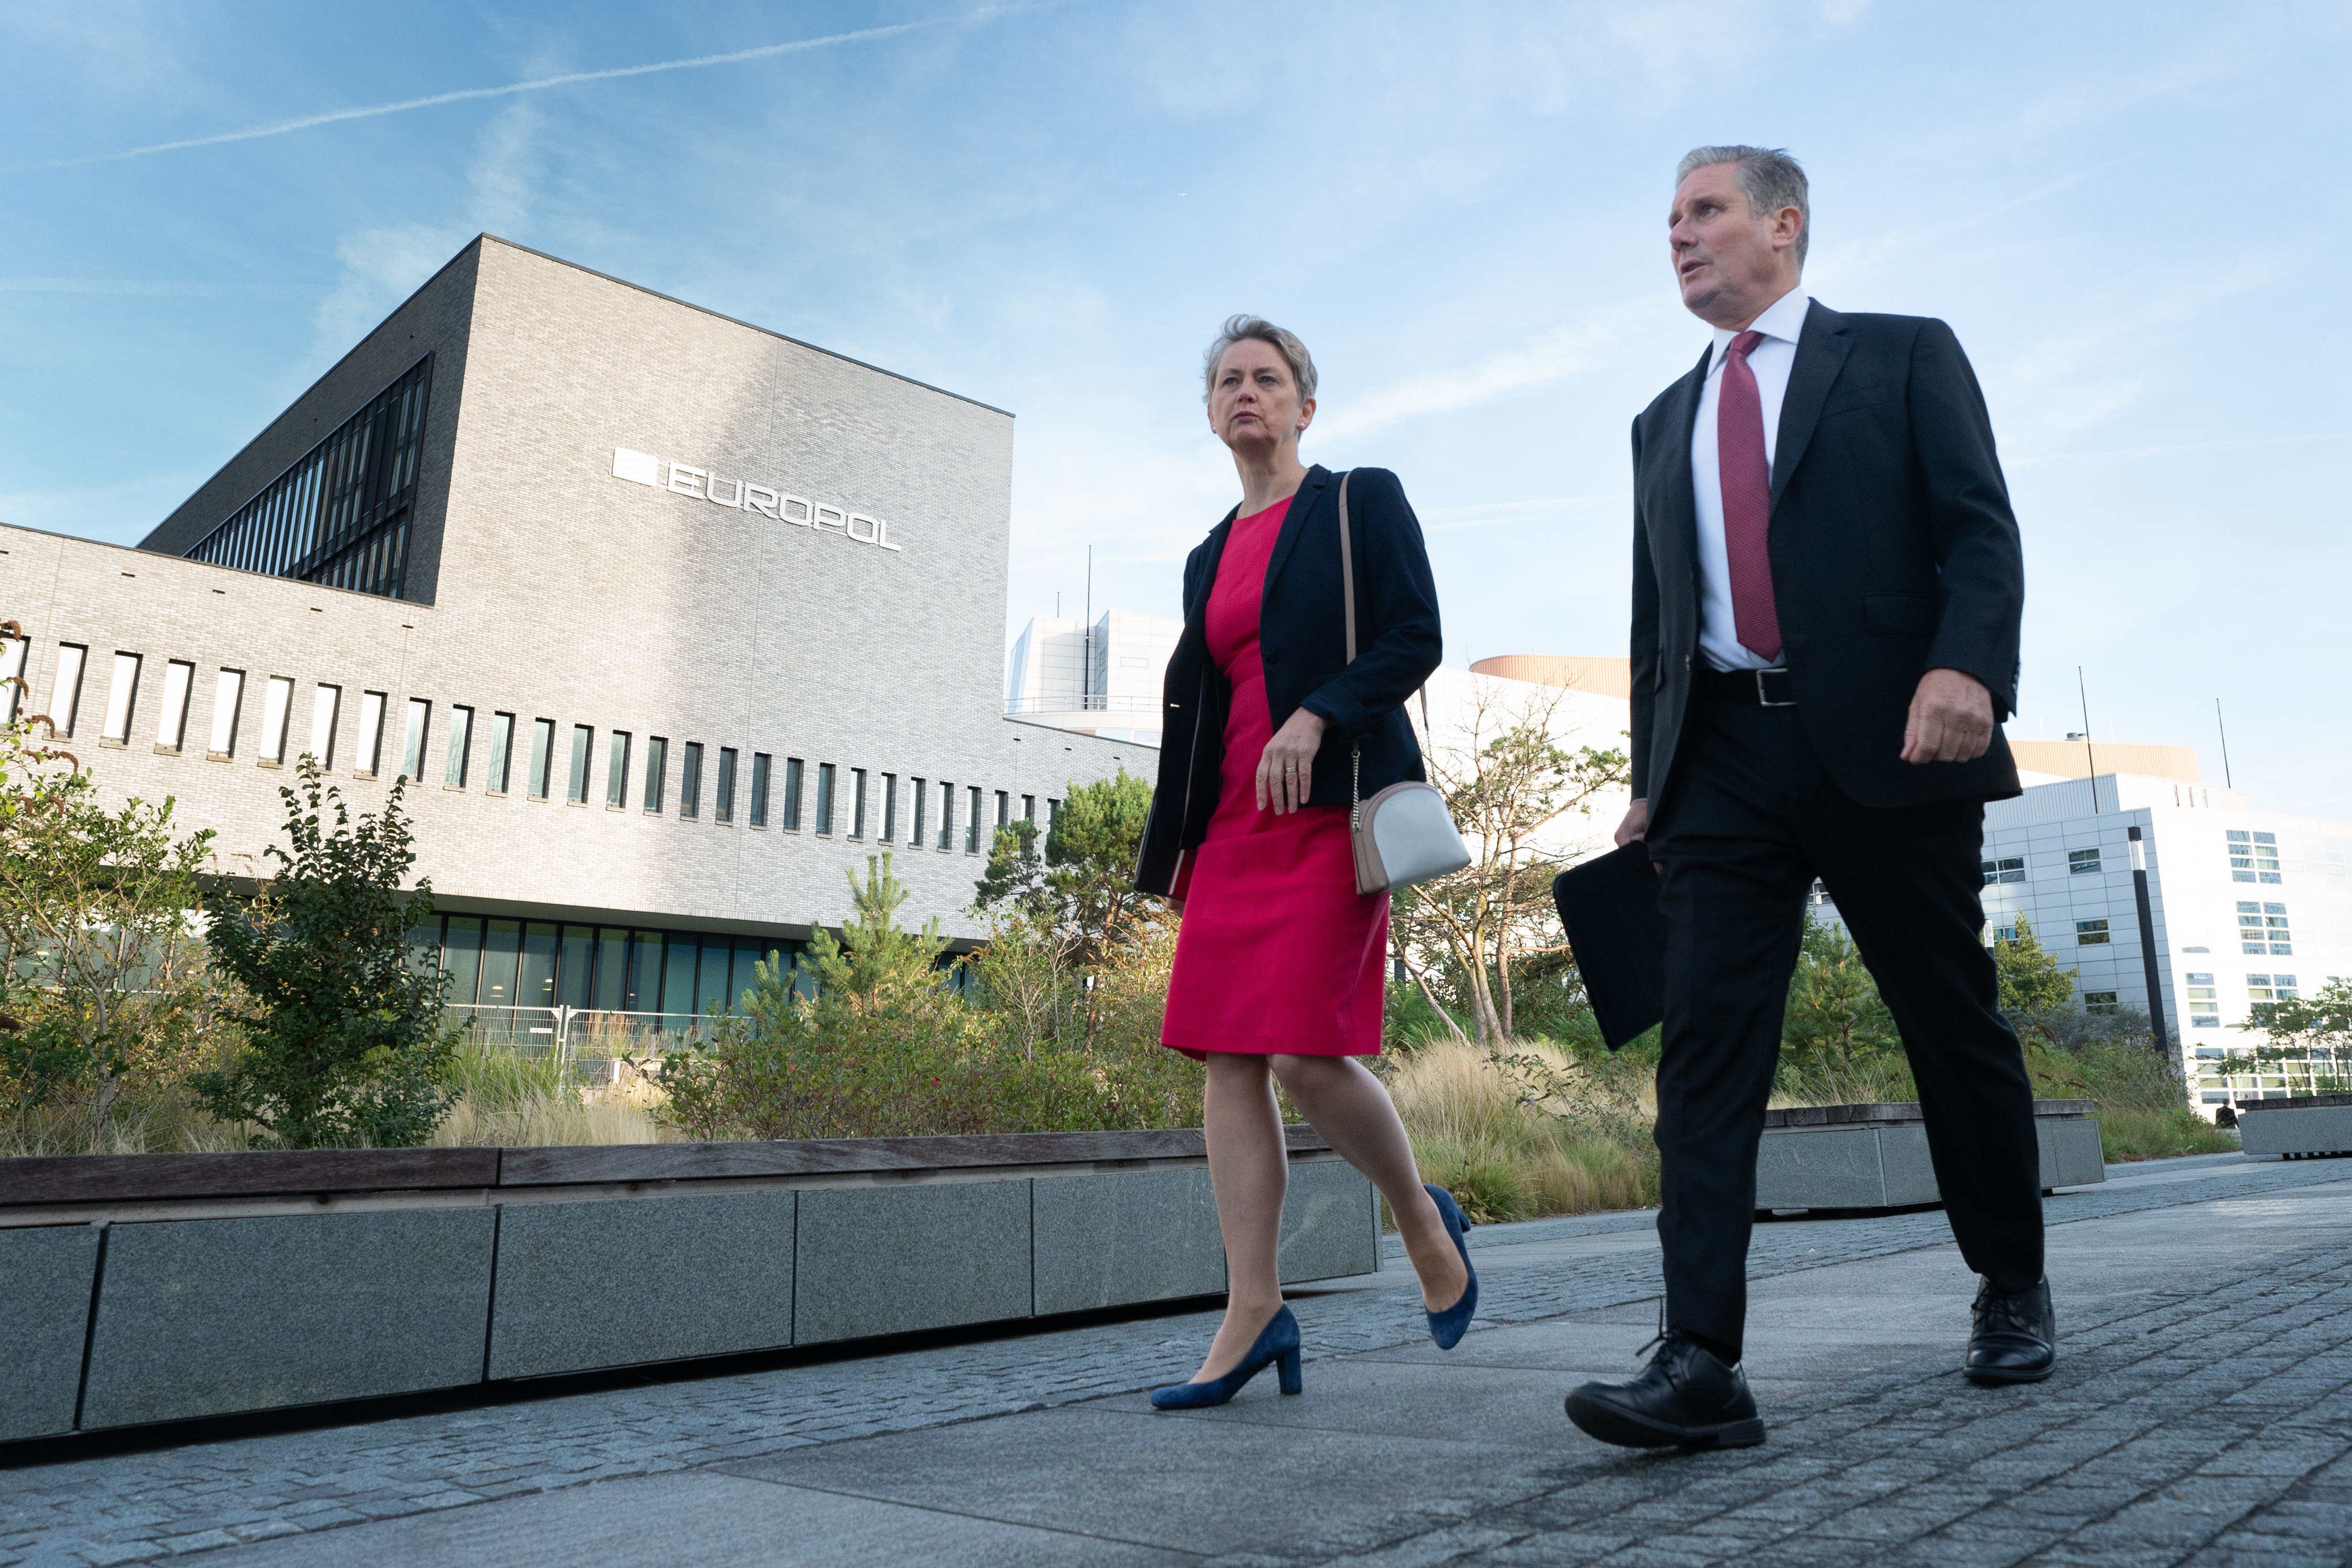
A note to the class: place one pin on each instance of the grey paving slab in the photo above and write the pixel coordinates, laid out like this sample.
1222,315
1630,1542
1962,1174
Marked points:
198,1317
585,1285
901,1257
708,1519
46,1275
1115,1239
1217,1487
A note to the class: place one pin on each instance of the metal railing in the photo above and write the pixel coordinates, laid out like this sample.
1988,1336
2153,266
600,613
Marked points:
1090,702
593,1041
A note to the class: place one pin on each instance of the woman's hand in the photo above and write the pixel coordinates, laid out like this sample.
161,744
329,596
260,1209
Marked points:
1286,769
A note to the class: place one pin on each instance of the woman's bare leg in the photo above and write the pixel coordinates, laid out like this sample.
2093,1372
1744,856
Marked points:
1353,1111
1250,1169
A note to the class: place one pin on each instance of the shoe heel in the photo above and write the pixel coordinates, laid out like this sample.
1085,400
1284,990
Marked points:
1293,1374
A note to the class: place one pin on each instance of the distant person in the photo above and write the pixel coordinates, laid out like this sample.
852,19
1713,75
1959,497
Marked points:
1827,584
1280,963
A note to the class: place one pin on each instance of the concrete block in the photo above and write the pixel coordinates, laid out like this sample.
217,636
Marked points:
202,1317
2070,1156
1104,1240
2296,1130
621,1281
1331,1222
46,1275
908,1255
1906,1169
1835,1169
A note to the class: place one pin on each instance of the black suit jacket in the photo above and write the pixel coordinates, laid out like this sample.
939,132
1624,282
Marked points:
1892,547
1302,638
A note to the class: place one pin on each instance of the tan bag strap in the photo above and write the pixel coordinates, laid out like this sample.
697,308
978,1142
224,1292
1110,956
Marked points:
1347,567
1347,588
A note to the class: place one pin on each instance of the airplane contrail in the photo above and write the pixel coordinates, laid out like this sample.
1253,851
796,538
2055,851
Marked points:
540,84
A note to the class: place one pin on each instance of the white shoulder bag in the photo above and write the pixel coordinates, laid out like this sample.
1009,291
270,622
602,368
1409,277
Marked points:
1403,834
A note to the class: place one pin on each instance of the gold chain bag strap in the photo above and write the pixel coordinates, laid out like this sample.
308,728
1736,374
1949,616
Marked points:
1403,834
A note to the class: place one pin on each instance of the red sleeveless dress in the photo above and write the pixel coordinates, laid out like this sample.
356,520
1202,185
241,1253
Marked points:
1277,952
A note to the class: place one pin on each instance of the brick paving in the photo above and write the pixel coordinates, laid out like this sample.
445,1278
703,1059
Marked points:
2208,1424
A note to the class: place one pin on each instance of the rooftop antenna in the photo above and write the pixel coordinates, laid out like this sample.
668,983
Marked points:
2227,782
2089,756
1087,671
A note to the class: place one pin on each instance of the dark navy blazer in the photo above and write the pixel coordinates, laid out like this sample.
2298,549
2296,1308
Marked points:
1302,638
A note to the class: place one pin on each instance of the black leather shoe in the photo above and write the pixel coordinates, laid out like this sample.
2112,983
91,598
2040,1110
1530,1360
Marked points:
2016,1337
1685,1399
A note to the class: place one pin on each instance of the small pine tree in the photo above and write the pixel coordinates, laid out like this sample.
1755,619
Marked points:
344,1038
876,962
2030,980
1836,1016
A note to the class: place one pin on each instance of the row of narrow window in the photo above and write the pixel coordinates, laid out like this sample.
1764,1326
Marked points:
933,813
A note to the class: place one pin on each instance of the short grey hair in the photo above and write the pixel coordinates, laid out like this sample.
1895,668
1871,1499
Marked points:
1242,329
1769,177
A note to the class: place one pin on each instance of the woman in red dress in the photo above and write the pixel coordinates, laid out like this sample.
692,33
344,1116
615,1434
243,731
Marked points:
1267,731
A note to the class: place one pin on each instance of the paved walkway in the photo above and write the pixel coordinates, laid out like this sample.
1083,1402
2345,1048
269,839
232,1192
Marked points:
2203,1414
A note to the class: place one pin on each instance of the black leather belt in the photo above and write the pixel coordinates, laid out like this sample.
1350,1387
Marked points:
1760,688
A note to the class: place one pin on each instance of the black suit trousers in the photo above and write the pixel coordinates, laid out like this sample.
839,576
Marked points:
1750,819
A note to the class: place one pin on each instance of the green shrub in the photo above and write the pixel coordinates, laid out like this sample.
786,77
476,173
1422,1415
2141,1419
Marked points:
343,1039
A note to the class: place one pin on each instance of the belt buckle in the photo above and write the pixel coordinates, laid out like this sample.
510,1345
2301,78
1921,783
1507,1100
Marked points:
1761,699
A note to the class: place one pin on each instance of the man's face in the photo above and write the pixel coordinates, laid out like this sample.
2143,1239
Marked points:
1730,261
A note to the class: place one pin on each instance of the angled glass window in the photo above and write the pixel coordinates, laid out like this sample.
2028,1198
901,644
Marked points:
119,699
791,813
325,703
2099,1002
889,808
368,757
689,792
12,670
412,750
972,821
277,708
2006,868
946,815
657,772
918,796
229,697
759,788
2090,933
616,771
65,689
722,802
825,798
461,746
340,515
584,741
857,803
542,759
172,722
2079,861
494,766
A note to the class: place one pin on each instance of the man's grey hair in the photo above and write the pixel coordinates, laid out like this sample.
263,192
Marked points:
1769,177
1241,329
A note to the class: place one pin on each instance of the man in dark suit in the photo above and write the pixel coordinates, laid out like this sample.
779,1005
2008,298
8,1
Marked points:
1827,584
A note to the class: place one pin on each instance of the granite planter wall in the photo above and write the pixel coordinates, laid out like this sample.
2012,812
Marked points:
1875,1156
2308,1126
142,1289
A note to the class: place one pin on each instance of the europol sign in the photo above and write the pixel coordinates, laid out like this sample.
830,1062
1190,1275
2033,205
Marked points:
678,478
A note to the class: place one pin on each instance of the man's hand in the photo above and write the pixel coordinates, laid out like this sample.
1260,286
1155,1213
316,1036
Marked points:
1286,769
1636,824
1951,720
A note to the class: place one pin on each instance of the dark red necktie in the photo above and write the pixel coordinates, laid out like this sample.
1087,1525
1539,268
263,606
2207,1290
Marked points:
1746,499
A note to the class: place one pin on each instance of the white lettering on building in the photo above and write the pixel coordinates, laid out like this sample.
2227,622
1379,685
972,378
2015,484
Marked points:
743,495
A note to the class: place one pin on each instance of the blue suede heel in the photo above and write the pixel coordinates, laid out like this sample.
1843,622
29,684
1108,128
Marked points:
1278,1344
1448,1326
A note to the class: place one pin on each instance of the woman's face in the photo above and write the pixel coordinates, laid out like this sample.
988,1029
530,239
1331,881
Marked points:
1253,403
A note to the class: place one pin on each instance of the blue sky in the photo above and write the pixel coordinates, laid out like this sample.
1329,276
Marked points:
1460,207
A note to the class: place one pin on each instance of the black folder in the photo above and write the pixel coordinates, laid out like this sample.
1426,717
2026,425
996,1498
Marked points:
1609,907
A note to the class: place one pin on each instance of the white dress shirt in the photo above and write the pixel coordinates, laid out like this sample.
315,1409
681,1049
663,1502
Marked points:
1781,323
